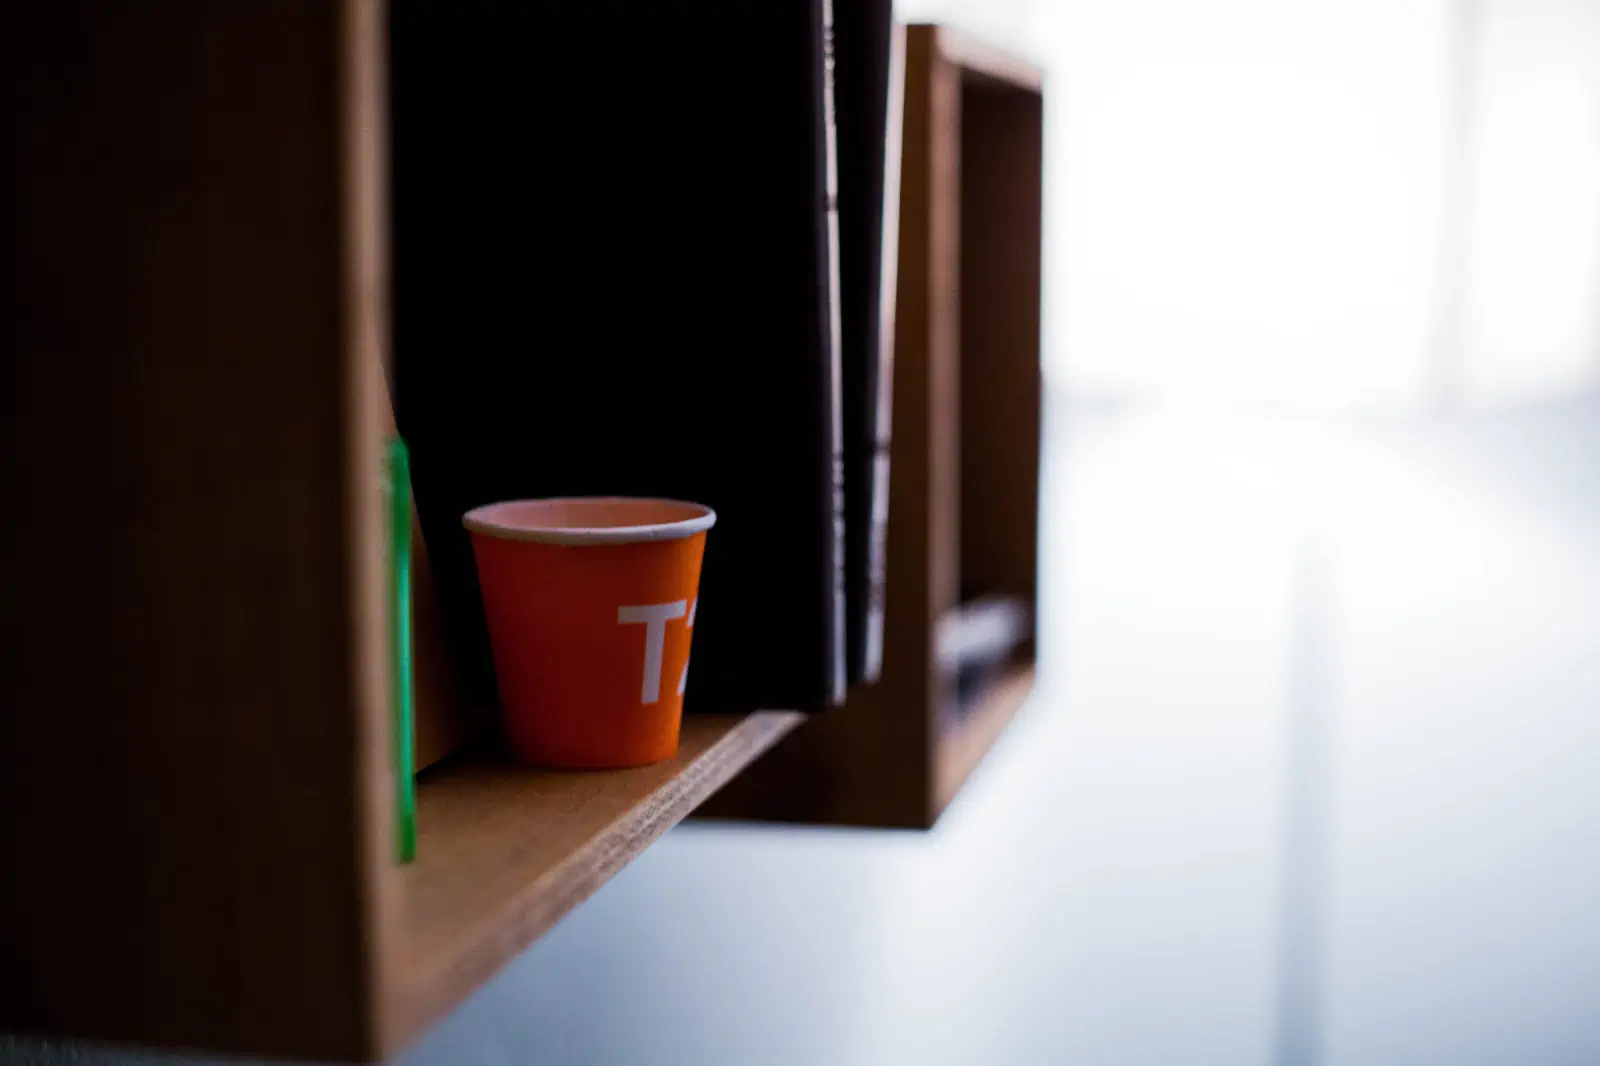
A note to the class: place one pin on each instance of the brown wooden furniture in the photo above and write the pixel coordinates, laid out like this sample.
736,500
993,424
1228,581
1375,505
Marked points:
964,465
196,791
196,839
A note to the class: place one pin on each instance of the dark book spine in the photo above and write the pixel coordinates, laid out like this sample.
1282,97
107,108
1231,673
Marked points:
830,157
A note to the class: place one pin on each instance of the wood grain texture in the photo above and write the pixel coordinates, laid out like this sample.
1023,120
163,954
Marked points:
181,809
369,425
505,851
962,497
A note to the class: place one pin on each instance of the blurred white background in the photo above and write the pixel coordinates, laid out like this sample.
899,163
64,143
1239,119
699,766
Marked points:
1325,204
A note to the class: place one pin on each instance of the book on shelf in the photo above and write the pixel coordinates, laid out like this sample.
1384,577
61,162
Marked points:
869,50
615,273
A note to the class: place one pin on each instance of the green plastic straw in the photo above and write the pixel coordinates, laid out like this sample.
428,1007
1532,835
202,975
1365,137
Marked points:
397,490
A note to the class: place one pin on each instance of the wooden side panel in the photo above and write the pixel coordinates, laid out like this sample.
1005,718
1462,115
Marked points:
181,813
1001,168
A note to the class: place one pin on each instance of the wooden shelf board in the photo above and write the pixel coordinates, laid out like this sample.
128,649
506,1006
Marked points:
504,851
965,743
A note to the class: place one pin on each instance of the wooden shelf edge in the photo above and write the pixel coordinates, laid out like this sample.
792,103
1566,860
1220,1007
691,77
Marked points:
448,950
962,747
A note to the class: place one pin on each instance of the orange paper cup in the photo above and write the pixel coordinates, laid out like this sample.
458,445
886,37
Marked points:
590,604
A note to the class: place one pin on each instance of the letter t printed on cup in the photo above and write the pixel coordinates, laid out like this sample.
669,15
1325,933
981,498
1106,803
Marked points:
654,616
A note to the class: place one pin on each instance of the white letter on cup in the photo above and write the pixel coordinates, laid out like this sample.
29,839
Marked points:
683,681
654,616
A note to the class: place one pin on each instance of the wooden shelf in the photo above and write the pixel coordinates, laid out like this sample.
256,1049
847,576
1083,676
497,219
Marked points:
197,736
505,852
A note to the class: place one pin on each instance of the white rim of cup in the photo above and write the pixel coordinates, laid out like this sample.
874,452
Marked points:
476,521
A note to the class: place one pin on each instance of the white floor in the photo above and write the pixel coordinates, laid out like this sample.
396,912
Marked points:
1313,777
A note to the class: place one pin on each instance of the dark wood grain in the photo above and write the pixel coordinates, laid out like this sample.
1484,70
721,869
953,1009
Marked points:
180,811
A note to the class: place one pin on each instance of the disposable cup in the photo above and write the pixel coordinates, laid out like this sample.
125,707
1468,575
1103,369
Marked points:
590,603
